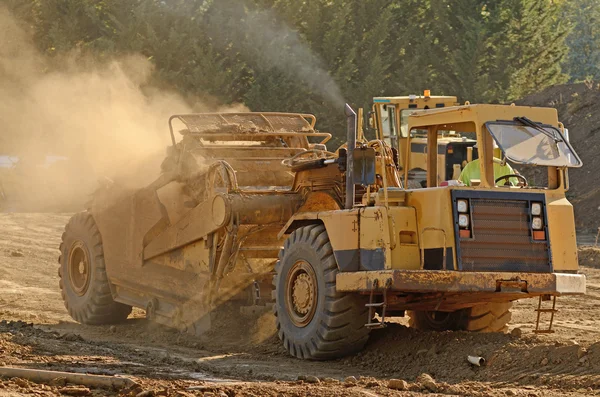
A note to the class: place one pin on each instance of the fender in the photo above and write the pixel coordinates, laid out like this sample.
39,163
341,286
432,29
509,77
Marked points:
343,227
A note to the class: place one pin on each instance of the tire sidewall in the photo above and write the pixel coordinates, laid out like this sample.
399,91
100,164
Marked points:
300,250
77,232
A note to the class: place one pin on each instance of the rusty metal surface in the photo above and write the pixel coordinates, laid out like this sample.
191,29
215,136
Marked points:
237,122
424,281
236,125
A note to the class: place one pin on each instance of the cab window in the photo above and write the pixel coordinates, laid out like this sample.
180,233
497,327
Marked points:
388,124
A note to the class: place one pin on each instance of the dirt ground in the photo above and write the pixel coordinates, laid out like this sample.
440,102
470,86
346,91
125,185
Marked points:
246,359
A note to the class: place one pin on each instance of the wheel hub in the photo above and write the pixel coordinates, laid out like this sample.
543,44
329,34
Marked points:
79,268
301,293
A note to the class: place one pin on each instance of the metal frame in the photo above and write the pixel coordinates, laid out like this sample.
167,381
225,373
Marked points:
311,122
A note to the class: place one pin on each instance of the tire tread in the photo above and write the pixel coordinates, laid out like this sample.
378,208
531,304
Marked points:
341,329
99,306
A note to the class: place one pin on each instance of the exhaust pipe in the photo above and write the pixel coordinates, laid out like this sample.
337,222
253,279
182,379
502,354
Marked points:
351,141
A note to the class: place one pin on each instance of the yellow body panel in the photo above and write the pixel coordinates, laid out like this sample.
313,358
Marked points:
561,223
479,114
406,253
434,209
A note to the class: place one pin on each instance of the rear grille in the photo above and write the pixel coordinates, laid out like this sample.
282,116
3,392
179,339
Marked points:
501,239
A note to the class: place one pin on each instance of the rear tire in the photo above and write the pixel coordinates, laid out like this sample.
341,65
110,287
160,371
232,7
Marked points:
314,321
83,282
488,317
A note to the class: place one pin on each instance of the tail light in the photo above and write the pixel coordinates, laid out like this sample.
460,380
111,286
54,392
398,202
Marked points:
538,230
464,218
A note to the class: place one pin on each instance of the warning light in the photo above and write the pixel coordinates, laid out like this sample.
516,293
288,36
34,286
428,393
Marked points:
427,93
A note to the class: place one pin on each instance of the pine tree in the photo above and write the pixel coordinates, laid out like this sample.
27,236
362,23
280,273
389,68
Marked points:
583,61
532,46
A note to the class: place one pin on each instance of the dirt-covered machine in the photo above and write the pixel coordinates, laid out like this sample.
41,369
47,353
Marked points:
247,208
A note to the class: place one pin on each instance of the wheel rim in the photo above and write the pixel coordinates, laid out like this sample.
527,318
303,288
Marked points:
301,293
79,268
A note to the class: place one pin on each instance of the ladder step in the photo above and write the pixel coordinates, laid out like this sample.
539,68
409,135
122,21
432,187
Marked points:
546,310
543,331
375,304
375,325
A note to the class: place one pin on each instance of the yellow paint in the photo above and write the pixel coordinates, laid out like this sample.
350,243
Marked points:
561,231
406,254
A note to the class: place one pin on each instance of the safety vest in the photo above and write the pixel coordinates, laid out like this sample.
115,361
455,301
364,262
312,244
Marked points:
471,171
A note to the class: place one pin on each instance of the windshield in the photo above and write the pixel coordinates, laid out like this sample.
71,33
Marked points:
404,113
534,144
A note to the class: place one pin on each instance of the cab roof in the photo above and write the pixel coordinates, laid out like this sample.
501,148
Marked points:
446,100
463,118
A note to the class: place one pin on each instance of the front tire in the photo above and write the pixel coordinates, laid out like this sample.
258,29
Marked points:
83,282
314,321
487,317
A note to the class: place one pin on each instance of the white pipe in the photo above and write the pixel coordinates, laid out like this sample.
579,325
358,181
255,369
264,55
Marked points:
43,376
475,360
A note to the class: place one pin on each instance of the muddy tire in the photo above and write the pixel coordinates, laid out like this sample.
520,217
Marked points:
83,281
314,321
488,317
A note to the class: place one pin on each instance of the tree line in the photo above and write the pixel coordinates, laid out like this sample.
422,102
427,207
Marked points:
312,55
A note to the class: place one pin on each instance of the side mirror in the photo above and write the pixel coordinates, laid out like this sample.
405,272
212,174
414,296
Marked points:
364,166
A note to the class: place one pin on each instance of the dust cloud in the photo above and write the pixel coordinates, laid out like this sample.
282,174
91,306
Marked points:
94,118
270,43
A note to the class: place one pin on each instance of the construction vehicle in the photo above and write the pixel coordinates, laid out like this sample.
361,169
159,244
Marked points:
389,119
244,200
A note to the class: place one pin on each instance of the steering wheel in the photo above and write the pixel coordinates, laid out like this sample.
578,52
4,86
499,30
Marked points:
316,153
508,176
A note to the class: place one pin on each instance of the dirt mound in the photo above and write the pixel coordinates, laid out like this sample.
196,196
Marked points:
578,108
589,256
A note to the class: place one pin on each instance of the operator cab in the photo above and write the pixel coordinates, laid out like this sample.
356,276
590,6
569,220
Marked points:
389,117
509,138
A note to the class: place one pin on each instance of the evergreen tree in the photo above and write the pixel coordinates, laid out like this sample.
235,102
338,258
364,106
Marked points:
583,61
532,46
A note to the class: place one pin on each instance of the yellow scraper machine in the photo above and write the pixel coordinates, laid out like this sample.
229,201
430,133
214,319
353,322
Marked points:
250,209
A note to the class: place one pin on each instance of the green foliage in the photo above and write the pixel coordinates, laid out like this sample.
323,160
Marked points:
314,55
583,61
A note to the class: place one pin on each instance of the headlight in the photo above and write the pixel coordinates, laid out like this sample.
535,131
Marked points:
536,223
463,220
536,208
462,205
